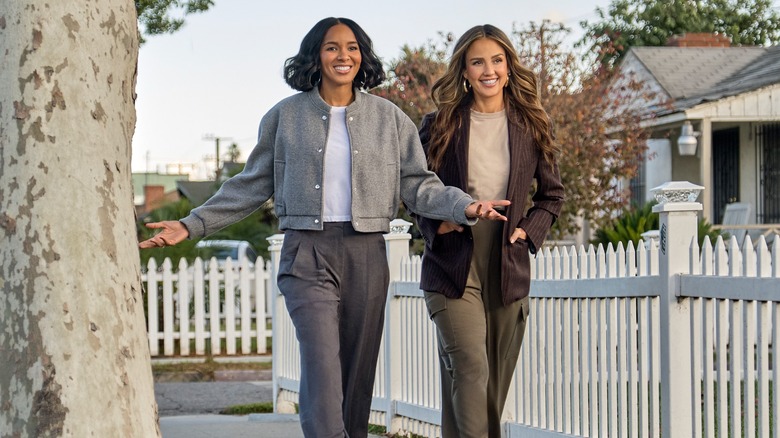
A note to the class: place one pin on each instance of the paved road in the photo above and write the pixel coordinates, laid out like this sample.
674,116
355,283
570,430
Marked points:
195,398
191,410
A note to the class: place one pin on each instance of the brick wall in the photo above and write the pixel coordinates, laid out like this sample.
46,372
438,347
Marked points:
699,40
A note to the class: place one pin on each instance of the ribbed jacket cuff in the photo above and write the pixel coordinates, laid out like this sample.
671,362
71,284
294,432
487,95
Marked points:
194,225
459,213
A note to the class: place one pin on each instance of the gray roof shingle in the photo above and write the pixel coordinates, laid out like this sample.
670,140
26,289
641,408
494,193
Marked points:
692,75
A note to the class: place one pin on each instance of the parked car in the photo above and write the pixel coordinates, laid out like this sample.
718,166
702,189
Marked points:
236,250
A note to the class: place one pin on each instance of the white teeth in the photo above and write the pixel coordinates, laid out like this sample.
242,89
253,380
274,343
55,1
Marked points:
342,68
490,82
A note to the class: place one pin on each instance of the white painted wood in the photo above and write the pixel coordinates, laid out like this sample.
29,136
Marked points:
245,311
230,307
707,264
183,315
198,301
557,362
545,377
708,375
643,265
764,339
736,366
589,421
749,373
167,295
215,331
775,312
722,379
655,368
567,357
260,281
153,308
696,363
634,353
645,343
721,258
605,416
631,261
621,261
615,382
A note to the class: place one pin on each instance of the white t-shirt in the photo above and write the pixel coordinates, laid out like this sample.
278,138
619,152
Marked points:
337,180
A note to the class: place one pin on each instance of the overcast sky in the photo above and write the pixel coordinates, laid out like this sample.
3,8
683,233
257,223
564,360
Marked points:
221,72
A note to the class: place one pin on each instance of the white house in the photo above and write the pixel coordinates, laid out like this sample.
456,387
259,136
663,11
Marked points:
730,98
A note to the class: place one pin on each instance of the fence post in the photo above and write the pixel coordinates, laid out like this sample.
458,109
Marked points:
397,244
678,221
275,249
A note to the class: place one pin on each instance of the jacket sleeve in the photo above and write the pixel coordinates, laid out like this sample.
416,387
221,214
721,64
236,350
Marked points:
547,203
242,194
428,227
421,190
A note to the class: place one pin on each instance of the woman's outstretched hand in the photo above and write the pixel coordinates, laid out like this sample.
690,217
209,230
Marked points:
486,210
172,233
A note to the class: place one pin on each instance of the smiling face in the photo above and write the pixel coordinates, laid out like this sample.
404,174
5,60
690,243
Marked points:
487,72
339,58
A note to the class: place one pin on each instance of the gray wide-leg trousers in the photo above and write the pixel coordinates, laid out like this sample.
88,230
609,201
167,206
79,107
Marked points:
334,284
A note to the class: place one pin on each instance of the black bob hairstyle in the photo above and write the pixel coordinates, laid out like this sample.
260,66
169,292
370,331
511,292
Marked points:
302,71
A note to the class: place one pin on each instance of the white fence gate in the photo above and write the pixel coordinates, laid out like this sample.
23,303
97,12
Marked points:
658,340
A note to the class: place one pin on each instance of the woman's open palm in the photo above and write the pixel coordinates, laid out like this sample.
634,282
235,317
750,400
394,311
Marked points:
172,233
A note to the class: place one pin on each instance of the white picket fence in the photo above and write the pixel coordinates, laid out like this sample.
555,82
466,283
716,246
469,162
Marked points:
183,315
658,340
663,339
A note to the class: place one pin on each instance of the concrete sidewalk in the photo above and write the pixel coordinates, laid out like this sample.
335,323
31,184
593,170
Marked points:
225,426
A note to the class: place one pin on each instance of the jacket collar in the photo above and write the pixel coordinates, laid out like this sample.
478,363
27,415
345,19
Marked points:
320,104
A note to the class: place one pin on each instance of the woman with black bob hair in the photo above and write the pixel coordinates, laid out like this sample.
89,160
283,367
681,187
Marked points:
302,71
337,162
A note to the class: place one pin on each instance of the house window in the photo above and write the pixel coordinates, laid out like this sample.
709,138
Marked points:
769,170
637,184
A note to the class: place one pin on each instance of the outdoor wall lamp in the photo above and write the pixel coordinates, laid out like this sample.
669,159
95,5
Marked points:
686,142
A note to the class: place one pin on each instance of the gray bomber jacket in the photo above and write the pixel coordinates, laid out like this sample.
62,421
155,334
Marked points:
388,165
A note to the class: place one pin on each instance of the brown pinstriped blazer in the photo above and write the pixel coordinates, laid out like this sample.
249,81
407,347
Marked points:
447,257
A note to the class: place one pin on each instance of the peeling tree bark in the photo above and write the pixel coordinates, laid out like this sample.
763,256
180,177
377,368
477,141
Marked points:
74,360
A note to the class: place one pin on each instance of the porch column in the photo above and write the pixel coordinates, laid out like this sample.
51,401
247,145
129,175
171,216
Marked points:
678,220
705,169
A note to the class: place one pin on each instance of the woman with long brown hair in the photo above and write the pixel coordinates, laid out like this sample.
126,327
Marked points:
491,137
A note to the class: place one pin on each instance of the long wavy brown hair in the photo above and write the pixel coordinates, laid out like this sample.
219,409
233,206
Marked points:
521,98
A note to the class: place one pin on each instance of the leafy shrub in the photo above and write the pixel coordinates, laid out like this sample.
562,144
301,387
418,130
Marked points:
629,226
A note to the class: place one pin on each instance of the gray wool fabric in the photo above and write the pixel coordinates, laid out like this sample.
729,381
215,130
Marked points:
388,165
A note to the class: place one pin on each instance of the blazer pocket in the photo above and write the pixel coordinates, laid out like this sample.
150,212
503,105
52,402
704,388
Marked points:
279,201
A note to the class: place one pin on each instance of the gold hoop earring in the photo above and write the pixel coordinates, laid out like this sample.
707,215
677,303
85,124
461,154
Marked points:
465,86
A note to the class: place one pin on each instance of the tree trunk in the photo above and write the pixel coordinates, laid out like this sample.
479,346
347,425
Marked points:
74,359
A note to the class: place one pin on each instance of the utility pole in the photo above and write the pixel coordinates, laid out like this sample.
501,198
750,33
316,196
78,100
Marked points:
216,141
